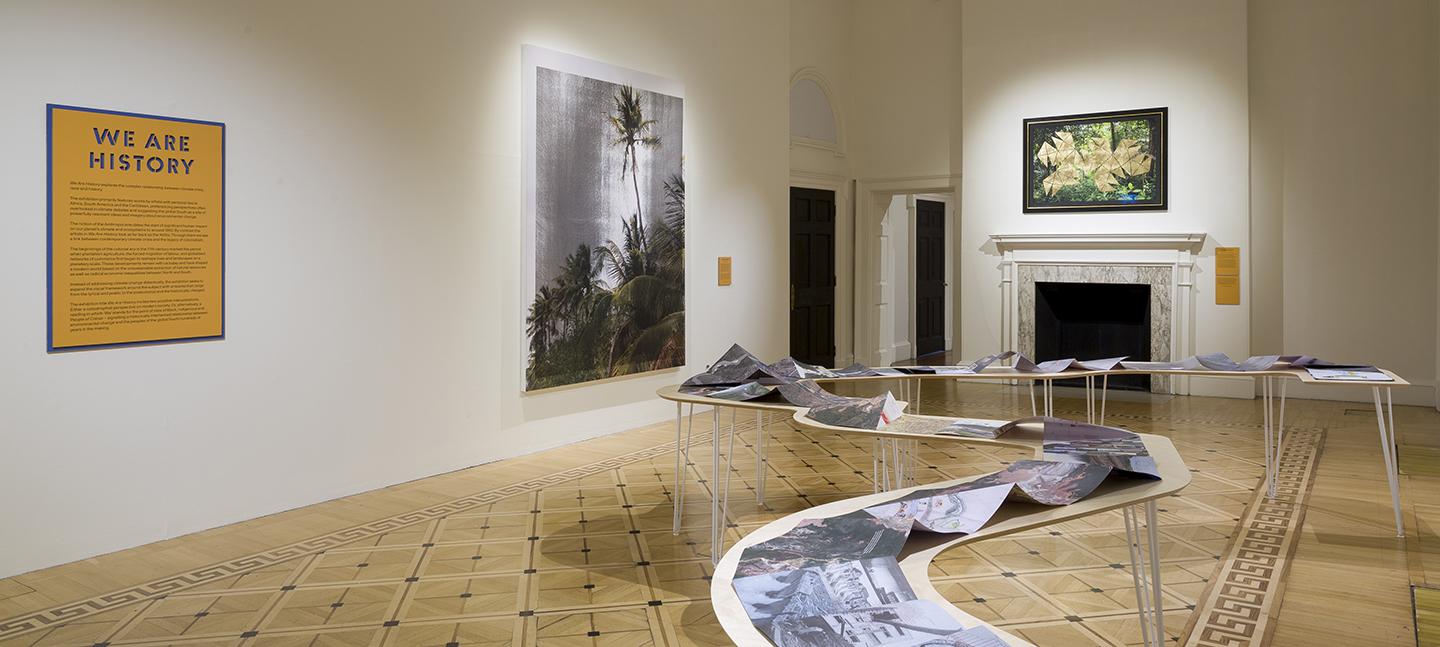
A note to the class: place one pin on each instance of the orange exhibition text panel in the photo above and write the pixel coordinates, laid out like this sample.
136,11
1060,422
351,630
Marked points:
137,229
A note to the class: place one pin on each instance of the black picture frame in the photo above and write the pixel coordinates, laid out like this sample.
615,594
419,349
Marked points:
1037,197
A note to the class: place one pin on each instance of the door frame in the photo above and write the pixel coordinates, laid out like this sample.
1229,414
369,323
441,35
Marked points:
873,200
844,264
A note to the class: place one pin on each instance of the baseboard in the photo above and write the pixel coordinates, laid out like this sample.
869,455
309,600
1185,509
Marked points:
901,351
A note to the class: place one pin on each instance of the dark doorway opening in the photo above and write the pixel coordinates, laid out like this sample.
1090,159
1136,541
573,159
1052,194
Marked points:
929,277
1092,321
812,276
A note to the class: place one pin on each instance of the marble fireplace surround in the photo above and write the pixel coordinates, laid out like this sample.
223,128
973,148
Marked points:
1165,262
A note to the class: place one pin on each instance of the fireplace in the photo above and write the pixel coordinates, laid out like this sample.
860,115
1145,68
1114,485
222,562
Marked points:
1091,321
1163,261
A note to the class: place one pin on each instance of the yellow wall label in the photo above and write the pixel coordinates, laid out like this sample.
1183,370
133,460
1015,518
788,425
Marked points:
724,270
1227,276
1227,261
136,228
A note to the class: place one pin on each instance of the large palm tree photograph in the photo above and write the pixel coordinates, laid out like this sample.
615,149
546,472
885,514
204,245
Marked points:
609,231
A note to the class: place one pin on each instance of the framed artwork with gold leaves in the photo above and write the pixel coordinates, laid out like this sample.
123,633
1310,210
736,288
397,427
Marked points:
1101,161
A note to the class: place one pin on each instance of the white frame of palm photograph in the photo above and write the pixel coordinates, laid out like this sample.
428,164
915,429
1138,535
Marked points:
533,59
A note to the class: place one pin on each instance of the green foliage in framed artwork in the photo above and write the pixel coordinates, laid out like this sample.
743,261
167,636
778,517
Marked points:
1112,161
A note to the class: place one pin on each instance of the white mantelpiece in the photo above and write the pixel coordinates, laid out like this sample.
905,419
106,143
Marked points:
1191,242
1165,261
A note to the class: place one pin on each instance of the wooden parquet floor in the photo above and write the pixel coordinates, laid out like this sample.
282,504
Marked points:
573,546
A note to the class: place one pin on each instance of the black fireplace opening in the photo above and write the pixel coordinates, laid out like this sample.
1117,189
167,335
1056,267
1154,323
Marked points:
1092,321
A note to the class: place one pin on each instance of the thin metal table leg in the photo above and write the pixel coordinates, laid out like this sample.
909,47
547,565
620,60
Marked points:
714,485
1157,610
725,497
1090,399
1137,573
1280,423
1269,433
875,465
1104,390
761,467
1033,411
1387,447
895,482
679,469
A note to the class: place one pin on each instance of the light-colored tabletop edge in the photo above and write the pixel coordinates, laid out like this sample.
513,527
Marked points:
1114,493
1009,373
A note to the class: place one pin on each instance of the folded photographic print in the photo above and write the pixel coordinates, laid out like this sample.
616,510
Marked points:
991,429
980,364
904,624
972,637
815,542
1187,364
952,510
1105,364
735,367
1222,362
836,587
858,413
1026,365
806,393
798,370
940,426
1047,482
855,370
1078,442
741,393
1306,361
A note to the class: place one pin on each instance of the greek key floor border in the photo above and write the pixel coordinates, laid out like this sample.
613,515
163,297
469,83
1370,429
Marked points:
1238,606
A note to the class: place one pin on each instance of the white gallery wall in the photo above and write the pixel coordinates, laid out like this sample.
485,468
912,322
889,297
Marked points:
1343,168
1038,58
373,250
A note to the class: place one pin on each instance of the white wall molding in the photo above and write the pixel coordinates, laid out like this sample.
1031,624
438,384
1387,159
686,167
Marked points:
1188,242
837,148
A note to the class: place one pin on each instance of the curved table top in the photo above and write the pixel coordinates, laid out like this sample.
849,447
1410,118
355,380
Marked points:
922,548
1010,373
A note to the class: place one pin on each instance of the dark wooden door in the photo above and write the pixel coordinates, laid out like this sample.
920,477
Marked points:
929,277
812,276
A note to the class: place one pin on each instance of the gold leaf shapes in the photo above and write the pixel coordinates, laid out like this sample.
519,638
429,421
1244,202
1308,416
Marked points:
1046,154
1065,152
1099,159
1063,176
1105,181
